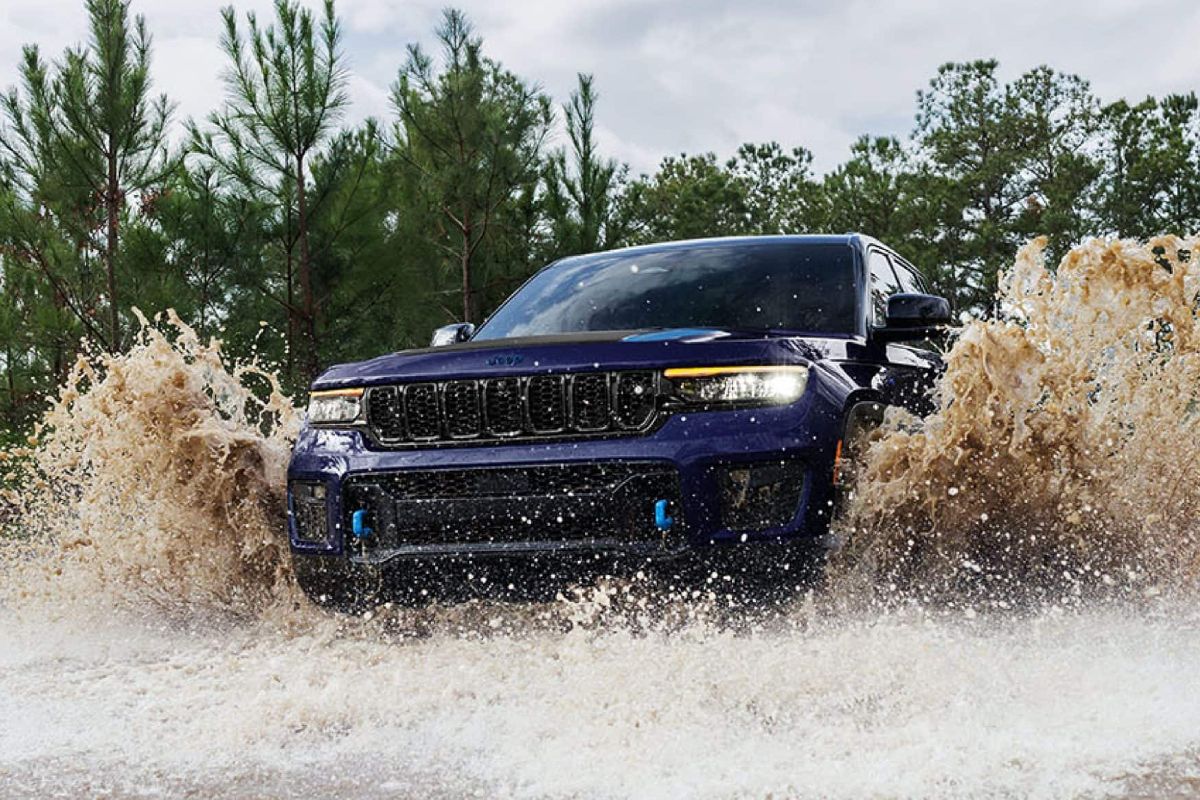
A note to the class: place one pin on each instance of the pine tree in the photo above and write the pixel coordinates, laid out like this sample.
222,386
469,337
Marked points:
781,193
285,93
1057,115
969,142
84,140
581,185
469,137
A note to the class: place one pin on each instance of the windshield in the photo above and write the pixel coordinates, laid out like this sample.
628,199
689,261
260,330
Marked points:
762,286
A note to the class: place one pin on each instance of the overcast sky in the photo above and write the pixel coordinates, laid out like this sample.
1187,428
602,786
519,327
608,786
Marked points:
696,75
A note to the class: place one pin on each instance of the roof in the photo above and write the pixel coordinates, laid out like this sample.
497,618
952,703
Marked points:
849,239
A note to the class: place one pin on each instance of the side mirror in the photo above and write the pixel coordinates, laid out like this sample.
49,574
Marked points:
913,316
452,334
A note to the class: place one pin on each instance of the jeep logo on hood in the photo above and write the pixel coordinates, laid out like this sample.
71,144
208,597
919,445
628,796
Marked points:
505,360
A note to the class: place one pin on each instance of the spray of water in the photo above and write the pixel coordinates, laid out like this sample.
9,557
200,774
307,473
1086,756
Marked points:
1064,452
155,478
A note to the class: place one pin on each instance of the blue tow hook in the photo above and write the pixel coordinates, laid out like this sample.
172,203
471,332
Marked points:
358,524
662,519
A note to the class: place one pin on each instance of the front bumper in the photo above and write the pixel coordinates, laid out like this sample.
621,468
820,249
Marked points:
707,456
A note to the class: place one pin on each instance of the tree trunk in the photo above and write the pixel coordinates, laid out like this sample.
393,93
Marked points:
290,293
12,387
466,268
112,202
306,285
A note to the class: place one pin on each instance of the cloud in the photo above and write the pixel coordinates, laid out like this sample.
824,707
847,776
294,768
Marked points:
695,75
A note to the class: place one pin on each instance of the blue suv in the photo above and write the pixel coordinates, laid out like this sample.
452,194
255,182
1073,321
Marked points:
666,404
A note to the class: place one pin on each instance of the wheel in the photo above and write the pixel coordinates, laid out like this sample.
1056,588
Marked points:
862,420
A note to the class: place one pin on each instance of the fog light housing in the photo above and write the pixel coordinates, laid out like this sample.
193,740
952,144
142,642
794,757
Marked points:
310,518
760,495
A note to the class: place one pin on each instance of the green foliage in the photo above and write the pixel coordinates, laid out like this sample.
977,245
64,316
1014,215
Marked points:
969,136
781,194
999,164
1057,115
469,139
82,149
581,186
689,197
1151,159
285,93
83,138
307,242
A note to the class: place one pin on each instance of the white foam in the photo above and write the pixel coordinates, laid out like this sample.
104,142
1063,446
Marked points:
1051,705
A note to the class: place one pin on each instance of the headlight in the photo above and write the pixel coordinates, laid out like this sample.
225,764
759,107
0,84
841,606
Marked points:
772,385
334,405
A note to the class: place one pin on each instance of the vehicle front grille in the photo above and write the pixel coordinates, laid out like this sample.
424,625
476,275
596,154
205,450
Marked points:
538,406
594,502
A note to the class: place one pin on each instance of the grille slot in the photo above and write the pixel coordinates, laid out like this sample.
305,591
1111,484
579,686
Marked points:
547,409
590,402
576,481
386,406
502,406
421,411
636,398
518,407
464,417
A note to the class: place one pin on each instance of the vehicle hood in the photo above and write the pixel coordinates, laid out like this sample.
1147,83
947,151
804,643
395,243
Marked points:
609,350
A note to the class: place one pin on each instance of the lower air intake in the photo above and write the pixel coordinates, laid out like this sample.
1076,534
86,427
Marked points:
594,503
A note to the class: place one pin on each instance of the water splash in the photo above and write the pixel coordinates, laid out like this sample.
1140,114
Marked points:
156,477
1064,452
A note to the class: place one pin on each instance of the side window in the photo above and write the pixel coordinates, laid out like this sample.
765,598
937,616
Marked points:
910,279
883,286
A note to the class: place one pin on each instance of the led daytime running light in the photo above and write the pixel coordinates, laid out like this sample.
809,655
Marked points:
770,385
355,392
709,372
